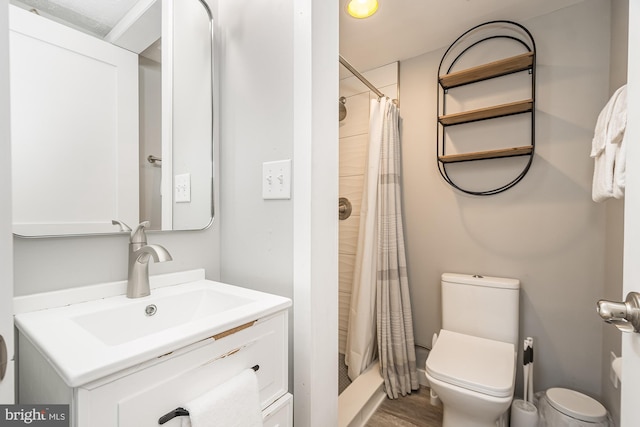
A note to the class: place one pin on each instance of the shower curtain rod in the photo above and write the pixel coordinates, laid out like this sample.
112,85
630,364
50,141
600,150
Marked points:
360,76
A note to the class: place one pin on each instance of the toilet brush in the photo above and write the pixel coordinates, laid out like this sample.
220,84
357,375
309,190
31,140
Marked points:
525,368
530,375
523,412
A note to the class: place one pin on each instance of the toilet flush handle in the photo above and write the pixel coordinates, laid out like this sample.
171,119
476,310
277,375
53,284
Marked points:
624,315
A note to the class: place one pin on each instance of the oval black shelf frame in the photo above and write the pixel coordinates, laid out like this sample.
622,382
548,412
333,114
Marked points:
520,63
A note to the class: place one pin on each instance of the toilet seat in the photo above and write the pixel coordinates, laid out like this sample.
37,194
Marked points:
576,405
477,364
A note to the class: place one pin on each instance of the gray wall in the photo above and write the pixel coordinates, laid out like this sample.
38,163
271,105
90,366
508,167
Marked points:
545,231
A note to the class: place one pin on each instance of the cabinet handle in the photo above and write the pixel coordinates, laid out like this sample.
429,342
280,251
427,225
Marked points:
178,412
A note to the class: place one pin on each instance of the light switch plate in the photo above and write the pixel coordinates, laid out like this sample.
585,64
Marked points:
276,180
182,185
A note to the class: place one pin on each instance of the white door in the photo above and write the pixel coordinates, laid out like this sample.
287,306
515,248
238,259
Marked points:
630,410
6,242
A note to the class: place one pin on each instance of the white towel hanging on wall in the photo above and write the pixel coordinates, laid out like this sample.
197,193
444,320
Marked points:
608,148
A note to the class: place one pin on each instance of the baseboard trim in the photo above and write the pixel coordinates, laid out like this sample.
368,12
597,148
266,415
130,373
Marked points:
422,378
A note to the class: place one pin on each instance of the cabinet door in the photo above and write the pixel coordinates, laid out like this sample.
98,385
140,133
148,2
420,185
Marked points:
139,399
74,125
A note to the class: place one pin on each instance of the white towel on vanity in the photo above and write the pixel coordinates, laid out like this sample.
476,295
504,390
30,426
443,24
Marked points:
608,148
234,403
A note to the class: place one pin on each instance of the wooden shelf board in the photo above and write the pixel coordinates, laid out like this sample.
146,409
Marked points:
489,154
487,113
497,68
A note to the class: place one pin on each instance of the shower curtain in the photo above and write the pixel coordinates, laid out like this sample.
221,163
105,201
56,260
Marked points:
380,309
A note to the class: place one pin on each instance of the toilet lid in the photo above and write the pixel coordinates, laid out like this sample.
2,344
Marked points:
576,405
477,364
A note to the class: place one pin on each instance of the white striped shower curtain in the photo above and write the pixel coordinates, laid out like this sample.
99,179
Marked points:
380,310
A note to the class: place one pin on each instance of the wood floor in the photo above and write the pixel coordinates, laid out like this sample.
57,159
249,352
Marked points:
413,410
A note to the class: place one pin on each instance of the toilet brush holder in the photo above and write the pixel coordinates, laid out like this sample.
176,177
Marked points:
523,414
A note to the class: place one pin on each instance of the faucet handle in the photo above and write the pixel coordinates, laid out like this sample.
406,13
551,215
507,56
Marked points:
121,224
138,235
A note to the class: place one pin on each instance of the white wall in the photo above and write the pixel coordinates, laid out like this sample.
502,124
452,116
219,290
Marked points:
545,231
6,252
279,68
315,222
256,127
48,264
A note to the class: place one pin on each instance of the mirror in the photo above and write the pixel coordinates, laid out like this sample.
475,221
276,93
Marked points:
112,115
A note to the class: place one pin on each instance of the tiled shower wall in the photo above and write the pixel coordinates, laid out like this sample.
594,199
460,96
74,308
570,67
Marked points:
354,137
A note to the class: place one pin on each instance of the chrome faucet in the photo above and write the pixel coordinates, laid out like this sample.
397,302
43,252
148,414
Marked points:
139,254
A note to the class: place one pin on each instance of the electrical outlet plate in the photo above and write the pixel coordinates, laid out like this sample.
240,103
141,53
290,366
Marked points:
276,180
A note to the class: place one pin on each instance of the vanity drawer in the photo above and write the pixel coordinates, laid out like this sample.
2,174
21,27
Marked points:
280,413
139,399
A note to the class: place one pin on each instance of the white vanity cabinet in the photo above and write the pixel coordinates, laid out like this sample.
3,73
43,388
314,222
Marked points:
139,395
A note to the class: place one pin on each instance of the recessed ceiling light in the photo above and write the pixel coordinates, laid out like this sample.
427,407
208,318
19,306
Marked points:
362,8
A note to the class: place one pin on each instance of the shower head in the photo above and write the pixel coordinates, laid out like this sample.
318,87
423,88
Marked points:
343,109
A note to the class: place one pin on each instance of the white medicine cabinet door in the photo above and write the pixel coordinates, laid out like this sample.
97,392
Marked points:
74,126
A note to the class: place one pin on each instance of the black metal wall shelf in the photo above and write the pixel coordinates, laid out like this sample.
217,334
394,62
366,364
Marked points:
448,80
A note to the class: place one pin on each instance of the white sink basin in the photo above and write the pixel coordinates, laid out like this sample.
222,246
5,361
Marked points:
90,340
132,319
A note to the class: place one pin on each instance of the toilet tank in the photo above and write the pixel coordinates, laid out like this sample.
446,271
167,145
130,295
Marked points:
481,306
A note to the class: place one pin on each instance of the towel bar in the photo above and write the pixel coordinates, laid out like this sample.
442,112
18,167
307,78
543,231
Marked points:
153,159
181,412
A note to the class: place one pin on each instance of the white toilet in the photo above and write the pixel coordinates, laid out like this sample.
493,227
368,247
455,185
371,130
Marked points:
472,365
